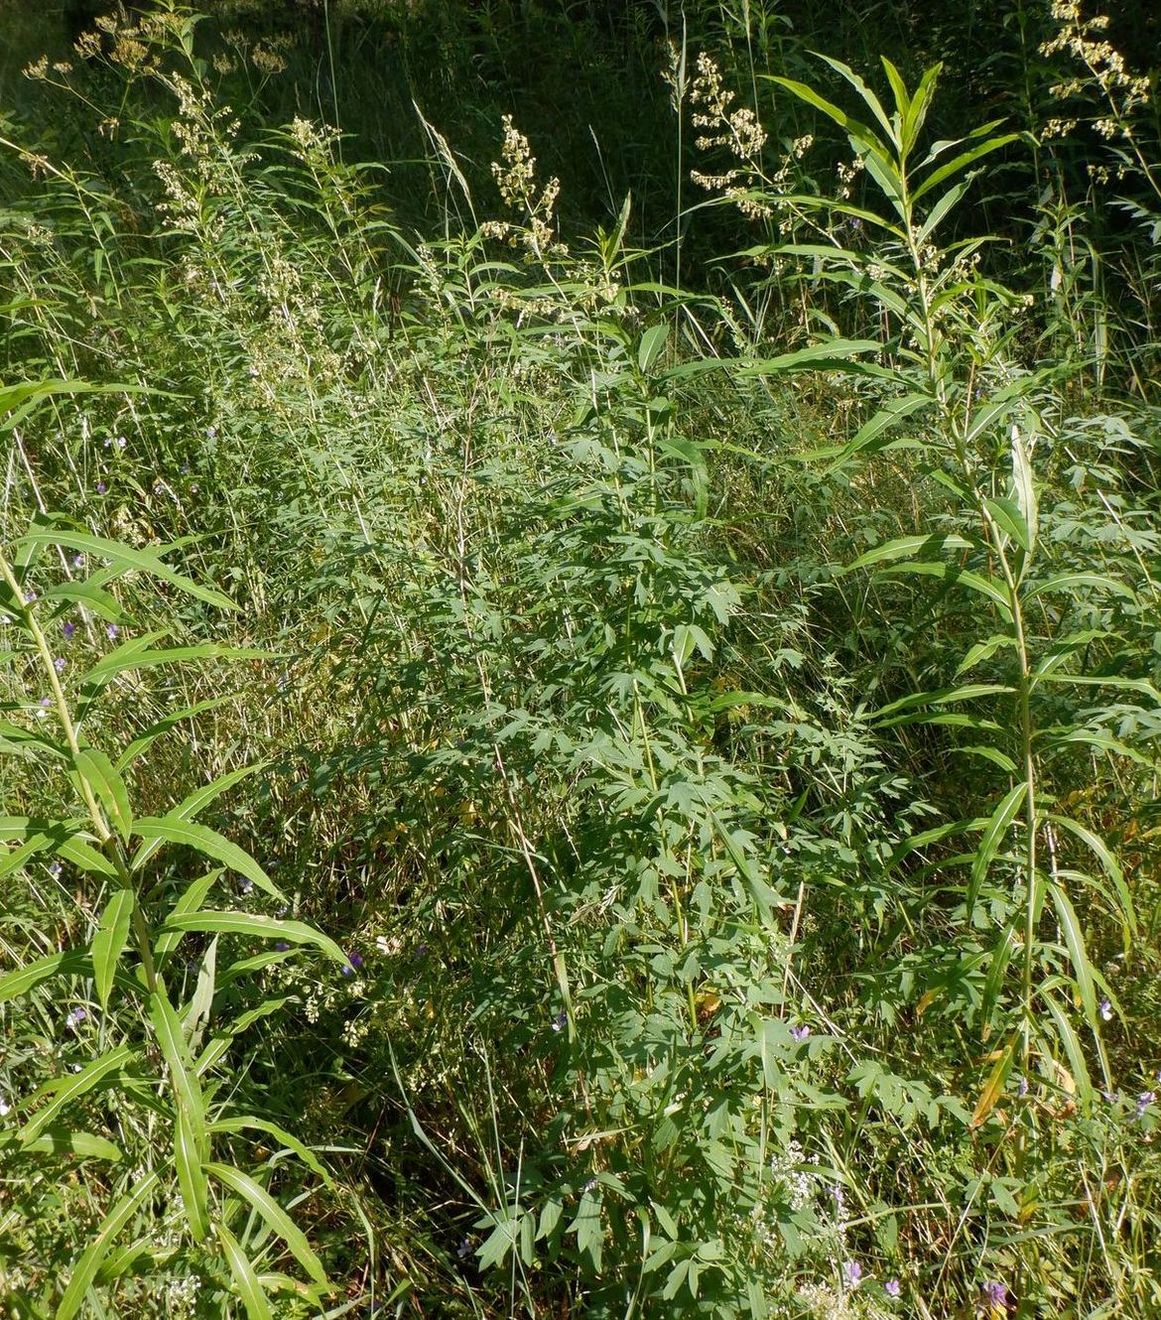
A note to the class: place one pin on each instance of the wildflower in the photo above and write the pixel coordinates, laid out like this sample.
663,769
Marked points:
101,488
112,630
355,959
69,630
852,1273
281,946
5,1108
1023,1087
60,664
1144,1100
1106,1011
800,1032
76,1017
995,1294
55,869
560,1021
78,561
45,702
121,442
29,596
892,1288
464,1250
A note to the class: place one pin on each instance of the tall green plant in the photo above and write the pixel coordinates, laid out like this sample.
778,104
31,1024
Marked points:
161,1039
976,427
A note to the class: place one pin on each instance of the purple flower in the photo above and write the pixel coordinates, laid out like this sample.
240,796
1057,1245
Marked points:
852,1272
78,561
995,1294
101,488
45,702
29,596
1023,1087
55,869
892,1288
800,1032
282,946
560,1021
69,630
111,631
355,959
76,1017
60,664
1106,1011
1144,1100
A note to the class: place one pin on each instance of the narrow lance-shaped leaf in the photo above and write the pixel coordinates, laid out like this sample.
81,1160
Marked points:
110,939
90,1262
144,561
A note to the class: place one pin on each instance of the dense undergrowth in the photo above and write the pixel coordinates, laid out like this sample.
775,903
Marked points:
580,748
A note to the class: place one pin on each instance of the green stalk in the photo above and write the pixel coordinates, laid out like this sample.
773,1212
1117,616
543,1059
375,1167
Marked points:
108,840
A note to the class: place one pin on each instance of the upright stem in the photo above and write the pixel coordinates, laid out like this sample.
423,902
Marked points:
108,840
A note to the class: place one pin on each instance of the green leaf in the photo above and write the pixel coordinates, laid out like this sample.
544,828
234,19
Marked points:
146,739
143,561
190,901
250,1290
1101,851
906,547
95,768
248,1122
117,662
1007,516
64,1090
1074,942
90,1262
652,345
73,962
109,941
266,928
276,1218
66,1141
172,829
191,1173
993,837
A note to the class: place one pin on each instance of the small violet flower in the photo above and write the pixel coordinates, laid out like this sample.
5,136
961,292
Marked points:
76,1017
354,962
1144,1100
60,664
1106,1011
560,1021
78,561
55,869
995,1294
281,946
112,630
69,630
101,488
800,1032
892,1288
852,1272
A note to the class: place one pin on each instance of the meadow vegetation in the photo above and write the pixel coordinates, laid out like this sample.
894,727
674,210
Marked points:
580,661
